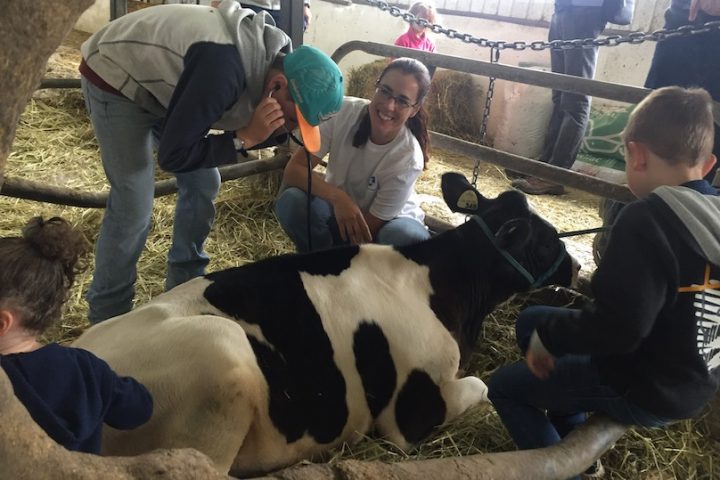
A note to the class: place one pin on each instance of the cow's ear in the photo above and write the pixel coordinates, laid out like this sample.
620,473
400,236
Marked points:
459,195
513,233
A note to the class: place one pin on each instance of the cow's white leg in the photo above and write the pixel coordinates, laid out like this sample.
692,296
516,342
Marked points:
463,393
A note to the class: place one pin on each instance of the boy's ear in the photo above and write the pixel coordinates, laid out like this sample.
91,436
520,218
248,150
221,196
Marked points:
7,320
709,163
637,156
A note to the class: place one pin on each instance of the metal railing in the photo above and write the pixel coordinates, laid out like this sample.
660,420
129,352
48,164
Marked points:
528,166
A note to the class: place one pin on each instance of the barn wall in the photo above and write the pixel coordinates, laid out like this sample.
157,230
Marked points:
335,22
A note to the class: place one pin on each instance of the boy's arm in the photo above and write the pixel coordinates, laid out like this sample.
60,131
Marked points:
630,288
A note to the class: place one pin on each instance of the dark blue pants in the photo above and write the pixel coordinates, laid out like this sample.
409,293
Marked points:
571,111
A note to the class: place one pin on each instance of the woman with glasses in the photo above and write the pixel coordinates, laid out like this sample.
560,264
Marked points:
377,150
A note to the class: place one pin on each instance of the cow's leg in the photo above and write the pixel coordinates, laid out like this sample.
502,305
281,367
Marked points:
463,393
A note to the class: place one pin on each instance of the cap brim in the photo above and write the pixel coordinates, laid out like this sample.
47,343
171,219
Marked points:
310,134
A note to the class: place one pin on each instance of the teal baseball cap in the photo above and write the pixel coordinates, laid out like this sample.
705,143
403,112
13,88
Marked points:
316,86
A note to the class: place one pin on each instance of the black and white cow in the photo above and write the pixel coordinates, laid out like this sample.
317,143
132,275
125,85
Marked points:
279,360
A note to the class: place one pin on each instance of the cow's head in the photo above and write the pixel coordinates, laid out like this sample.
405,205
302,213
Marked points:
533,255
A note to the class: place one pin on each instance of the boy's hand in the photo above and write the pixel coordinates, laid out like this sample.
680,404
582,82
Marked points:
539,360
351,222
711,7
267,117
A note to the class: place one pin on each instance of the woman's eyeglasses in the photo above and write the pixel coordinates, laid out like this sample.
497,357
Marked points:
387,94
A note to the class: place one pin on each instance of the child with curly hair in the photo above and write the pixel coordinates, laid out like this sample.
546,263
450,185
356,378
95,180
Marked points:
68,391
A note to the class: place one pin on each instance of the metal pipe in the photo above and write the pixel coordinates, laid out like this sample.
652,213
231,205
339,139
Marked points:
31,190
59,83
556,81
534,168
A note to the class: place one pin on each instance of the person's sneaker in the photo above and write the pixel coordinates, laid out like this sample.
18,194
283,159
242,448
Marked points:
535,186
596,470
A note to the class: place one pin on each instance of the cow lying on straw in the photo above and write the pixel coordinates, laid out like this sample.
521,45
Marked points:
283,359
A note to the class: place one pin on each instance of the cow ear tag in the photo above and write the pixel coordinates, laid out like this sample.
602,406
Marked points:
468,200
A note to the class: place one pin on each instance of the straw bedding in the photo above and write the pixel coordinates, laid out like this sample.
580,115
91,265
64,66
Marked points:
55,143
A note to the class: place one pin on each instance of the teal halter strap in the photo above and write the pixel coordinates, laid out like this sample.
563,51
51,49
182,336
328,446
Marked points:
534,282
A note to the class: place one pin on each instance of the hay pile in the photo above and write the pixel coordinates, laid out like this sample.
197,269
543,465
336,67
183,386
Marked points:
55,142
453,103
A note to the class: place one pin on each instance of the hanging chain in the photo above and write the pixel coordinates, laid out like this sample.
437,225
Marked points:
609,41
494,57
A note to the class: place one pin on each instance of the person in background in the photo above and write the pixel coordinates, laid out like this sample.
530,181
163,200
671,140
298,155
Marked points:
270,6
273,8
69,392
573,19
416,35
307,16
170,74
377,149
646,350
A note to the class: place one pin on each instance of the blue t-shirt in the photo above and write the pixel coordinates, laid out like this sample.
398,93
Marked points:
70,392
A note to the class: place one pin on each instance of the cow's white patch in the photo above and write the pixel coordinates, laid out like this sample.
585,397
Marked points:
384,287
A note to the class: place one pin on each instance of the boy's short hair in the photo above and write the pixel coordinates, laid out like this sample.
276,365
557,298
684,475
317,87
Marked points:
675,123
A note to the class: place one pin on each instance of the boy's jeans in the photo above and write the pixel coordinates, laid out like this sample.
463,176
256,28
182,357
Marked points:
125,134
291,210
573,388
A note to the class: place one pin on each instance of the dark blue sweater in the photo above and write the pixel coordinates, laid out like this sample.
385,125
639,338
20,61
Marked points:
70,392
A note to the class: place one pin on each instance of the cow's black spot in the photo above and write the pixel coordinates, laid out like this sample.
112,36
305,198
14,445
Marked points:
419,407
307,390
375,365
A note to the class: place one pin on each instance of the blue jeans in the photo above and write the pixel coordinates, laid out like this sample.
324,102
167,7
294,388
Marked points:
538,413
570,110
291,211
125,134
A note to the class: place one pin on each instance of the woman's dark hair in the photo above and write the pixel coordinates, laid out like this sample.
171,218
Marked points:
417,123
38,269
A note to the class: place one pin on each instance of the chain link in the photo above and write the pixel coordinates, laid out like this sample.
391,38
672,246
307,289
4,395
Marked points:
632,38
494,57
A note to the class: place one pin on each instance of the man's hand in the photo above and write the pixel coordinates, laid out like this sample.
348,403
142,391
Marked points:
539,360
351,221
711,7
267,117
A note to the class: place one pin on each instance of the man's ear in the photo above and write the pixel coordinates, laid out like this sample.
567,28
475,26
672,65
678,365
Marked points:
7,320
275,81
637,156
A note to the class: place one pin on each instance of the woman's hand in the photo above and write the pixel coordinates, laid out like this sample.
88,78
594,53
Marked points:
351,221
267,117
